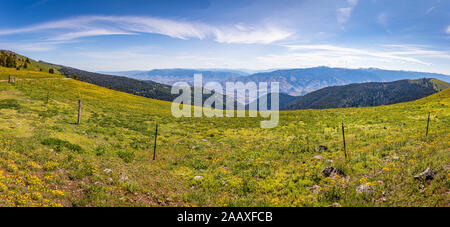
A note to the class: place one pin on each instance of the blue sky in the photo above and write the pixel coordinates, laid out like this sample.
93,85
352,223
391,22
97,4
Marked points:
261,34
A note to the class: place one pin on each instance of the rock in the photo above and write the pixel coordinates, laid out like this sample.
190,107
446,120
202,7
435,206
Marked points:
319,157
421,187
107,170
364,188
428,174
314,189
198,177
331,171
123,176
321,148
335,205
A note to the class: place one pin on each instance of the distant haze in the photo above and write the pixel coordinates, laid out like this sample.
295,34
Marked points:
294,82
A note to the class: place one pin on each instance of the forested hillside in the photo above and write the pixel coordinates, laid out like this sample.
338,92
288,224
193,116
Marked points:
368,94
147,89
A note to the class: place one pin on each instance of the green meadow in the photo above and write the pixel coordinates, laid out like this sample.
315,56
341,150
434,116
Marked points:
46,159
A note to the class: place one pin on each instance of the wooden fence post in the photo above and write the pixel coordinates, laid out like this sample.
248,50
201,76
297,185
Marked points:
428,124
79,111
156,136
343,138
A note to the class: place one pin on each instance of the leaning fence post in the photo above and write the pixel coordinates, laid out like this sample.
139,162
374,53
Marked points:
343,139
79,111
428,124
154,146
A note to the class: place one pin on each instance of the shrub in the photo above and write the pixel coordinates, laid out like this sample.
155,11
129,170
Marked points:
9,104
100,150
58,144
127,156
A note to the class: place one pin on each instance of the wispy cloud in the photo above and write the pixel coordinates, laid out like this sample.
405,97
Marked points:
430,10
87,33
88,26
38,3
393,56
382,19
448,30
399,53
344,14
37,46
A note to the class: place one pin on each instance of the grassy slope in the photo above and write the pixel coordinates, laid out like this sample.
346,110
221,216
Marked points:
241,164
33,65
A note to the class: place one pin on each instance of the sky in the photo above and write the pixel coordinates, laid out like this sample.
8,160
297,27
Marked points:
112,35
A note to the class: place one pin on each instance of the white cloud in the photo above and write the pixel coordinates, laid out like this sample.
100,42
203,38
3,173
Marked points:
248,36
402,57
394,53
88,26
430,10
87,33
344,14
382,19
448,30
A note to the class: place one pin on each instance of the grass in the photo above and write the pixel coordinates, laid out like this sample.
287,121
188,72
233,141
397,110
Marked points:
48,160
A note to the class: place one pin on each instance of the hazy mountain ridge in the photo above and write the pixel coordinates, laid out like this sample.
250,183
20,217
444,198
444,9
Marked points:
302,81
295,82
171,76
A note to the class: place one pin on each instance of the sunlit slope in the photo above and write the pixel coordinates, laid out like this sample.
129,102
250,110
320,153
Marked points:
24,63
46,159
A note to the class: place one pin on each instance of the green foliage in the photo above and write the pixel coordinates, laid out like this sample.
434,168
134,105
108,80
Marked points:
368,94
58,145
100,150
16,61
127,156
9,104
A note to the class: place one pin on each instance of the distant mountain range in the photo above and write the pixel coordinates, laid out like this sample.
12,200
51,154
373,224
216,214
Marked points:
171,76
302,81
295,82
